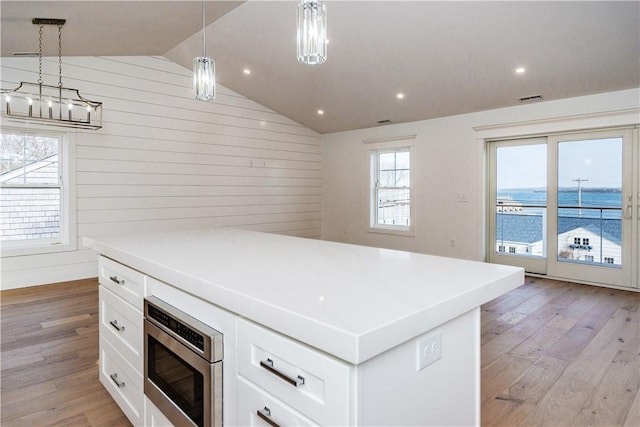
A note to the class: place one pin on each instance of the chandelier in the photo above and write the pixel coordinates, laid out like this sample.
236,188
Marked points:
47,104
204,70
312,32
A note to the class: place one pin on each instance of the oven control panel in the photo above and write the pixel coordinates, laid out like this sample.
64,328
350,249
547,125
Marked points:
191,332
179,328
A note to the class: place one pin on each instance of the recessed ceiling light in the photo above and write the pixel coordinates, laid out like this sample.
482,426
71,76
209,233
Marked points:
246,71
400,95
520,70
320,112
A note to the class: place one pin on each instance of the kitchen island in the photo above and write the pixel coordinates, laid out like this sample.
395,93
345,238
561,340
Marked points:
389,337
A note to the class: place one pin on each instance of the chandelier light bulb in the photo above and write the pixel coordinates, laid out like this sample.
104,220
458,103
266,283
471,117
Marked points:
35,102
204,70
312,32
204,78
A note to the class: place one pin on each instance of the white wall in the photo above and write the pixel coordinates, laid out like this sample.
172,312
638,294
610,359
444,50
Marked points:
163,160
450,160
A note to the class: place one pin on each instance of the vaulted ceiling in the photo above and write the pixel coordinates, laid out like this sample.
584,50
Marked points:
446,58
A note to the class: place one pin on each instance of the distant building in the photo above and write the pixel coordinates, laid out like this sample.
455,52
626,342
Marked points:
507,204
589,244
580,239
30,213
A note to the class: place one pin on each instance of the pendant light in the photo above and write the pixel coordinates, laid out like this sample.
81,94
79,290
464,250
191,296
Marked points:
312,32
48,104
204,70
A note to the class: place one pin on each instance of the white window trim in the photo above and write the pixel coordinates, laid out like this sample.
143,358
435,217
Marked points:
68,227
375,146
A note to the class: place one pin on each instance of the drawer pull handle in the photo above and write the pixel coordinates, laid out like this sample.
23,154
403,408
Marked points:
116,280
114,378
268,365
114,323
265,415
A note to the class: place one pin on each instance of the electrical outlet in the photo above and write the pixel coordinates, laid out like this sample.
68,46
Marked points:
428,350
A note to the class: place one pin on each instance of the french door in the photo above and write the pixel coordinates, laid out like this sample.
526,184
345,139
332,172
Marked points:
563,205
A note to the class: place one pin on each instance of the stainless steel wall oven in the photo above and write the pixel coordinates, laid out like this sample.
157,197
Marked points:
182,365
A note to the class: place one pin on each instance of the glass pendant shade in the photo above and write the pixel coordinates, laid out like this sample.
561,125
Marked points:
204,78
312,32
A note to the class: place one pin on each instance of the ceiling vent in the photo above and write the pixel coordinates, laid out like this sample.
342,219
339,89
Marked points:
532,98
384,122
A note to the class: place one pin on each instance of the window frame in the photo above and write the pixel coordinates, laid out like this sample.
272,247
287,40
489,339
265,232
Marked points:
67,241
374,149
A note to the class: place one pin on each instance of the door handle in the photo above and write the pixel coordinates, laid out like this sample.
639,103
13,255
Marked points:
628,211
115,279
265,415
114,378
268,365
114,323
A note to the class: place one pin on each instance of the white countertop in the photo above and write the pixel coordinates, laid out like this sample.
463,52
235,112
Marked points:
350,301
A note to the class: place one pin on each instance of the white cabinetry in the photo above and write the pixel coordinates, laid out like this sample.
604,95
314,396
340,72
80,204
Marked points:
153,416
289,378
298,338
121,346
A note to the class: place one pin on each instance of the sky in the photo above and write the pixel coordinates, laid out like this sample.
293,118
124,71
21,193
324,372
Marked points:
599,161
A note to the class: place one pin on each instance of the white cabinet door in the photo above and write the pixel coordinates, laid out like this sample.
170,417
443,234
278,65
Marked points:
153,417
312,383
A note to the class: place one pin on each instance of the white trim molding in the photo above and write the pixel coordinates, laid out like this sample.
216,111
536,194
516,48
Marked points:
569,123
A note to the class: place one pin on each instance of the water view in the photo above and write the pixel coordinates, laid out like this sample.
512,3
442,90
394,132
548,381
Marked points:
589,224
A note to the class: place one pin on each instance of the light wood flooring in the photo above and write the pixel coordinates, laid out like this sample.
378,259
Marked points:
561,354
553,353
49,358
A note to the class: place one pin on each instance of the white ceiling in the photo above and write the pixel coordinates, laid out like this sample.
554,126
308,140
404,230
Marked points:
446,57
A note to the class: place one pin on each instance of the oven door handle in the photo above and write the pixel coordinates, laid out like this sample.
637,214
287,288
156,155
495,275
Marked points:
268,365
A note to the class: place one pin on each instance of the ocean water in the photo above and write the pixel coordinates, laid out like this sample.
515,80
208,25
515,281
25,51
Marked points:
592,202
600,211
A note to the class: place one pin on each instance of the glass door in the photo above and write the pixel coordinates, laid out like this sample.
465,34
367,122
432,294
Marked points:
518,204
564,206
593,207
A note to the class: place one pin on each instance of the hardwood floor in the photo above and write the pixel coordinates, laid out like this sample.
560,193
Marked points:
561,354
49,358
553,353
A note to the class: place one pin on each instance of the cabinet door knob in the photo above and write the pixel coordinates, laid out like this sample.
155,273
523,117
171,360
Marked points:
268,365
116,280
265,415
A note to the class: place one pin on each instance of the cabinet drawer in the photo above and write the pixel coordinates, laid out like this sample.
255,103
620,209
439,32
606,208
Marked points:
153,416
122,326
123,281
253,404
122,382
323,393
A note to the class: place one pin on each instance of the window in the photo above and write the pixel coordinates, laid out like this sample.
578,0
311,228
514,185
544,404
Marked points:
37,204
585,241
391,208
588,258
512,249
501,248
576,240
608,260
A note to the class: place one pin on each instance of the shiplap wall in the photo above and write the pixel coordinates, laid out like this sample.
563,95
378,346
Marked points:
165,161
